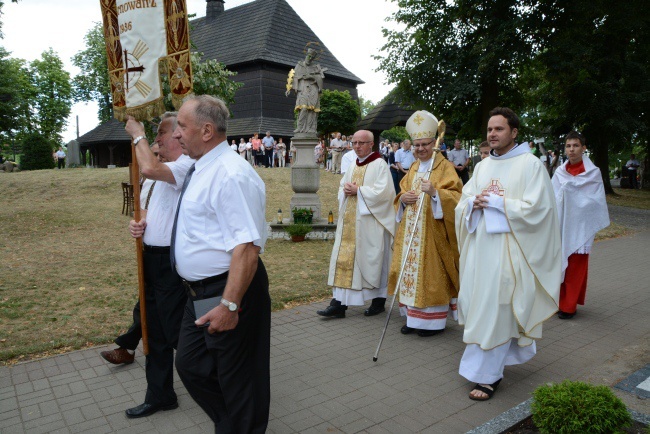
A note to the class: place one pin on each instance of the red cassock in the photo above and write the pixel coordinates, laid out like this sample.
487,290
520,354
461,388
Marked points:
574,287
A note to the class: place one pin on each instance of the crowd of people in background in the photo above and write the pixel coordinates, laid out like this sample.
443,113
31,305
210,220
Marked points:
268,152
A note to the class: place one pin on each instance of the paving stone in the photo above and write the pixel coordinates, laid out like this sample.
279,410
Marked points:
323,379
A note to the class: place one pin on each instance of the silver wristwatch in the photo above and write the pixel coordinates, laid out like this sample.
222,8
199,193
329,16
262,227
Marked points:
137,139
229,304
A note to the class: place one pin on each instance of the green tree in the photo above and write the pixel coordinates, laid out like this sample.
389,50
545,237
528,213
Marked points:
366,106
209,78
395,134
338,112
595,71
16,91
37,152
53,95
92,83
459,58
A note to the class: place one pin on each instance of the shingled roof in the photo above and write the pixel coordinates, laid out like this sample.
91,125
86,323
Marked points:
387,114
109,133
262,30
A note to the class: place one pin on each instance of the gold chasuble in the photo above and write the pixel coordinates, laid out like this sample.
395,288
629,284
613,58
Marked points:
431,270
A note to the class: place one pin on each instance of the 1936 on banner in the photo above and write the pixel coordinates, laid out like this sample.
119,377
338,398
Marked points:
145,39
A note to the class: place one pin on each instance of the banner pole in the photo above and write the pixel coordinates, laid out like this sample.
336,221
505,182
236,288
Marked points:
135,182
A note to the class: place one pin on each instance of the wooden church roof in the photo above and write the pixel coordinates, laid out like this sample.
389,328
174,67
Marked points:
262,30
109,133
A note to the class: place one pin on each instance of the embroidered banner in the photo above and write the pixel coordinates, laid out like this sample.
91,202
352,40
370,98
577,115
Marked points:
144,40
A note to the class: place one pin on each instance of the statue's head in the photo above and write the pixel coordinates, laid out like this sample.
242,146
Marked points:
311,55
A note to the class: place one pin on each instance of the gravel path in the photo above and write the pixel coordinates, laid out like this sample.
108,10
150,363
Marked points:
633,218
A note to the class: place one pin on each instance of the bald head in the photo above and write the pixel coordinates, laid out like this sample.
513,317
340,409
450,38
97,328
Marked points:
362,143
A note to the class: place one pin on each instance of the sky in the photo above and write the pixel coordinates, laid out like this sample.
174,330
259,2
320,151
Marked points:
349,29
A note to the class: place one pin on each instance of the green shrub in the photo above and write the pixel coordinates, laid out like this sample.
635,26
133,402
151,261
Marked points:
298,229
37,153
577,407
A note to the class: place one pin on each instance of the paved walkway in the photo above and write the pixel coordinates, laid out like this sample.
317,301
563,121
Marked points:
324,380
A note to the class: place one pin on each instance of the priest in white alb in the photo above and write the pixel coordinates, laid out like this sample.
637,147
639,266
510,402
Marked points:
429,263
509,240
582,212
364,233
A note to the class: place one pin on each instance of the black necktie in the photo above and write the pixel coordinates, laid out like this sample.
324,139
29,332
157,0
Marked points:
172,255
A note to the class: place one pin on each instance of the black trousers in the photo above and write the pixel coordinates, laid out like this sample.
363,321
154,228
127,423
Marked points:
463,175
631,174
165,298
131,338
61,163
228,373
268,158
395,176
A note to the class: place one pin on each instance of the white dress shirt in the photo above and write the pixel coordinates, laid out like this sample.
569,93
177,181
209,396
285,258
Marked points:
162,204
405,158
223,207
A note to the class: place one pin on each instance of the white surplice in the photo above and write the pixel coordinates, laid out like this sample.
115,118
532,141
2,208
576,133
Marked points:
582,208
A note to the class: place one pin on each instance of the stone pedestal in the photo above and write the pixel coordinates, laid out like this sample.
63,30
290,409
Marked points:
305,175
73,156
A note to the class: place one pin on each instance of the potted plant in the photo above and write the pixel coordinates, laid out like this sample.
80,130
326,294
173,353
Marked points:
302,215
297,231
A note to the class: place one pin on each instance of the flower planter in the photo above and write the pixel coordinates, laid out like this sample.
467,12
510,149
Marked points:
297,238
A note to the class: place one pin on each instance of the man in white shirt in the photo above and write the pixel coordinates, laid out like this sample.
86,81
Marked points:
632,166
336,148
60,158
268,141
223,356
460,159
164,295
403,159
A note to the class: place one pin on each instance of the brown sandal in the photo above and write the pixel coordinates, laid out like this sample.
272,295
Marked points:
489,390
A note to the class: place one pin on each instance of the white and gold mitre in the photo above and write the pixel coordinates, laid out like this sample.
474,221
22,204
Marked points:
422,125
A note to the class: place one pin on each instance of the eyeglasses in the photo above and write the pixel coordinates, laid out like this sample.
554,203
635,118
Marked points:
360,143
422,145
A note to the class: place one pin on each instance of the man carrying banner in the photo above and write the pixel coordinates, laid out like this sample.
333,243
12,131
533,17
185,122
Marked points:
143,39
165,295
223,357
128,341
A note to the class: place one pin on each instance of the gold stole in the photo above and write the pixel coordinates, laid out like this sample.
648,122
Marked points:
347,247
417,228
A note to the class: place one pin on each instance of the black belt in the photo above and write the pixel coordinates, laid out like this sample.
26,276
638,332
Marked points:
191,286
156,249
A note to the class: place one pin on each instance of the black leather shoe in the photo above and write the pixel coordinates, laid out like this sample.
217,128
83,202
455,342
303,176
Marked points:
146,409
374,310
565,315
333,312
406,330
425,333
